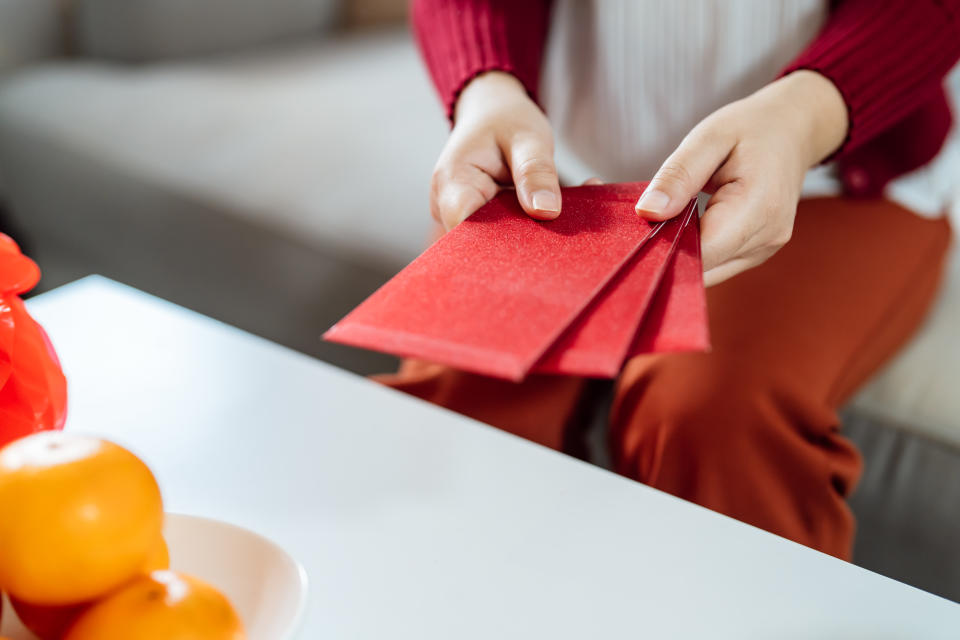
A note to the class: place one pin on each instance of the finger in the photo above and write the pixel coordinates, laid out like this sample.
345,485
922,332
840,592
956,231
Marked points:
535,176
684,173
456,195
592,182
726,226
727,270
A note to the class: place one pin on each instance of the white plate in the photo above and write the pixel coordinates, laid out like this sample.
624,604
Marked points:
267,586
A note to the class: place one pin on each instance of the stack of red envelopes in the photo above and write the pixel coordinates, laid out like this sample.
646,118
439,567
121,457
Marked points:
505,295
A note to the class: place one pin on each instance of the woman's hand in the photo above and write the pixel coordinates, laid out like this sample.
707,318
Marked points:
499,136
752,156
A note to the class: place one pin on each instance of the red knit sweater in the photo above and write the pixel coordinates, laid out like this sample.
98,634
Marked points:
888,60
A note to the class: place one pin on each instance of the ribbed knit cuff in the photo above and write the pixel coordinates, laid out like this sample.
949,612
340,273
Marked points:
460,39
886,59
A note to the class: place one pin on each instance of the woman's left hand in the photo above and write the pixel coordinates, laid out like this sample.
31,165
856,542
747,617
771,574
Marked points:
752,156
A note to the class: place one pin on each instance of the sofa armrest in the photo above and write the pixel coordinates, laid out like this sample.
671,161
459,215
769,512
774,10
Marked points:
29,30
146,30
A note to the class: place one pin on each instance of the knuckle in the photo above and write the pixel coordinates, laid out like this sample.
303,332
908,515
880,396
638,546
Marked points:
462,198
459,202
709,133
534,165
673,174
783,237
447,214
777,237
533,170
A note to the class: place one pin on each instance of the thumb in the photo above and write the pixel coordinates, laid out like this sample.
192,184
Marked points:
682,176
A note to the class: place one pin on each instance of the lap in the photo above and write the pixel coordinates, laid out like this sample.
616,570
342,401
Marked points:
828,309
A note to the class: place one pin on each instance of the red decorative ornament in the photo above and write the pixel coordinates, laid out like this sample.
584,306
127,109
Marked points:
33,390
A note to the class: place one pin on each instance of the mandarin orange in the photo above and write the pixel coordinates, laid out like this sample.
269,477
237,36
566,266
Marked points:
164,605
159,557
47,623
79,517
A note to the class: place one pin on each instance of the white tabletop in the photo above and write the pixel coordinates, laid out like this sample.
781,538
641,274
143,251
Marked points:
414,522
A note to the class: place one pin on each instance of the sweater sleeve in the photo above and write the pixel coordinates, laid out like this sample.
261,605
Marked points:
460,39
886,59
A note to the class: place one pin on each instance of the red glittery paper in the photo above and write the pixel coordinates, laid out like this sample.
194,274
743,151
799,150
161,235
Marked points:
496,292
597,344
677,320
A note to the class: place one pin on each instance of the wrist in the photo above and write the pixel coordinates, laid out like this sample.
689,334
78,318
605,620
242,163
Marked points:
820,111
488,89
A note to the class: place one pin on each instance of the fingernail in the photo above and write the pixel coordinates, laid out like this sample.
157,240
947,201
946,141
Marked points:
653,201
545,201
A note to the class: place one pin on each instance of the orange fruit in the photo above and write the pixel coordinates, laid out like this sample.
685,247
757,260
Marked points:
158,558
78,517
161,606
47,623
51,623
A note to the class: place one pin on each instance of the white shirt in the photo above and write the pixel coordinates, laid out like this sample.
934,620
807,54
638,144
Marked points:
625,80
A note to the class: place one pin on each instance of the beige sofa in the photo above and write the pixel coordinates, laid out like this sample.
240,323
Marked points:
267,169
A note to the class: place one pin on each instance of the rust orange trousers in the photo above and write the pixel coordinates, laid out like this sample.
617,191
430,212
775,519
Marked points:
750,429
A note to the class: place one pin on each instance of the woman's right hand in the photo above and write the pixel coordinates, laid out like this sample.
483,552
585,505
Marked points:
499,136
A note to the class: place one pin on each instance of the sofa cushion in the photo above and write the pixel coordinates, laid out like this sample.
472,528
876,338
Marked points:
330,142
920,389
137,30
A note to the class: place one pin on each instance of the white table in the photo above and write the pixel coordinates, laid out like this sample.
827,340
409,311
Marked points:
417,523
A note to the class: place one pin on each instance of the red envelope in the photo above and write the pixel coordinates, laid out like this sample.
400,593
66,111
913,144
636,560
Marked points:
597,344
496,292
678,321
